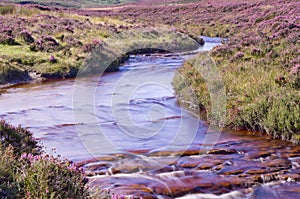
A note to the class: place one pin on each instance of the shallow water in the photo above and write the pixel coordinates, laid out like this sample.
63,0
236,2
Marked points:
134,109
139,141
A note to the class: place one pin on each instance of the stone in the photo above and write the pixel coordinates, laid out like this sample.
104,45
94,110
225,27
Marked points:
205,166
277,191
231,171
290,177
222,151
256,171
282,163
259,154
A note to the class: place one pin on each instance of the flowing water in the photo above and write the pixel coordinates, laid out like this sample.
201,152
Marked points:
141,142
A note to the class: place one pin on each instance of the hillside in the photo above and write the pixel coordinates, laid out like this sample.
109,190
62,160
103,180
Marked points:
72,3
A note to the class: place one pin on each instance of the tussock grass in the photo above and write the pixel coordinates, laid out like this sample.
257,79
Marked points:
255,100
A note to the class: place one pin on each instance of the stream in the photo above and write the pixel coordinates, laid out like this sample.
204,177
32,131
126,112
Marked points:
143,144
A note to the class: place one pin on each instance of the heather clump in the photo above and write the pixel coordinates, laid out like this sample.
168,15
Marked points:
47,44
27,37
87,48
19,138
45,176
6,37
27,172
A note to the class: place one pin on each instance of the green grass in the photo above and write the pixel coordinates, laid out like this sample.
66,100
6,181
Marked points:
254,102
20,58
19,10
75,36
17,61
21,52
8,9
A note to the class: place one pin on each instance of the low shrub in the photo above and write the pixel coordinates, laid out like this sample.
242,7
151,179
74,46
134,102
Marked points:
43,176
6,37
9,186
26,172
27,37
7,40
19,138
46,44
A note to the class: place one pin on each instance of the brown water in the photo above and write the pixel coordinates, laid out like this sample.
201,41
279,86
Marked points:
141,142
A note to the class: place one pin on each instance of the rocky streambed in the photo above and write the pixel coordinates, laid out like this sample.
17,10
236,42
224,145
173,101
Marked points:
241,165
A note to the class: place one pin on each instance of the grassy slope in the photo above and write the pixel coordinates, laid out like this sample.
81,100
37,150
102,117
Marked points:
68,38
55,43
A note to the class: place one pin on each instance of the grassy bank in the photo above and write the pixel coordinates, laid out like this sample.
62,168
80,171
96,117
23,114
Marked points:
48,42
260,65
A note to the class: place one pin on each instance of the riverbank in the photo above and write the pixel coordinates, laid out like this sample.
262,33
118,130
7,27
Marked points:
39,42
260,69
